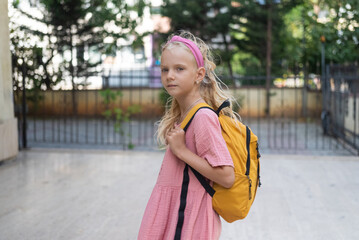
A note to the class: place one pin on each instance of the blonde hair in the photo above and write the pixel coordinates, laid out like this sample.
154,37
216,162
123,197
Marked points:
210,89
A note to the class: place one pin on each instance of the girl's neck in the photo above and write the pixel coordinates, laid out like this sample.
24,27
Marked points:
186,106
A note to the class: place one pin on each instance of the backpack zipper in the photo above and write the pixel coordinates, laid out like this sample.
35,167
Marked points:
258,156
258,153
250,187
248,164
259,176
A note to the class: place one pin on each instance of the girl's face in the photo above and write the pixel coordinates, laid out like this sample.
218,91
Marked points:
179,72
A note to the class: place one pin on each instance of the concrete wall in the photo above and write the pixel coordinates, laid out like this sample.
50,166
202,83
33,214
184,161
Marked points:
90,103
351,119
8,123
284,102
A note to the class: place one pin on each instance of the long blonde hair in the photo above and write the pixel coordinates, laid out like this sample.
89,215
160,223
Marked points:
211,89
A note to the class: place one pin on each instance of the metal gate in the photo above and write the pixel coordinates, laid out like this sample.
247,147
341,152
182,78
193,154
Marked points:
340,103
294,125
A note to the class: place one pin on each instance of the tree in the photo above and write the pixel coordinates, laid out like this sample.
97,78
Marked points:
259,26
259,29
31,60
344,16
73,30
337,21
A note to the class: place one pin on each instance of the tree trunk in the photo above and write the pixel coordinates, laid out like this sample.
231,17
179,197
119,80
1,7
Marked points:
228,60
268,56
74,105
305,69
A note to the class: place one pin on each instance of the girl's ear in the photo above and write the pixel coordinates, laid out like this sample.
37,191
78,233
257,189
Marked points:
201,73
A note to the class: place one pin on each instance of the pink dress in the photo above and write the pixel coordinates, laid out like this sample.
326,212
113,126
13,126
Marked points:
201,222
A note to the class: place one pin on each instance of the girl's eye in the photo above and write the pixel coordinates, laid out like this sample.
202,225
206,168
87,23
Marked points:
179,68
164,70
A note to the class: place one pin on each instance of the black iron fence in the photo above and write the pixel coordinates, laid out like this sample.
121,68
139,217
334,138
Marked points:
340,101
124,113
110,118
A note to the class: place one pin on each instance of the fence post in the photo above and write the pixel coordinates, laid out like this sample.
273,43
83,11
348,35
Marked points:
305,91
325,116
24,124
323,79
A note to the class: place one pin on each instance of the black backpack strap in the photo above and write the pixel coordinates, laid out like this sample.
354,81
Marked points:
189,122
199,176
223,105
203,182
185,182
183,203
248,142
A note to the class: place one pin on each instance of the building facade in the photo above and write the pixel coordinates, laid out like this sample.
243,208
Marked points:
8,123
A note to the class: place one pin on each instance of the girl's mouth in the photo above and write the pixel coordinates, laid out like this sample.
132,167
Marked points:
171,85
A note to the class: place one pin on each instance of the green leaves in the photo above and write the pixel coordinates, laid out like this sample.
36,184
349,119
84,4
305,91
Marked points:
107,113
296,29
110,96
70,31
119,115
15,3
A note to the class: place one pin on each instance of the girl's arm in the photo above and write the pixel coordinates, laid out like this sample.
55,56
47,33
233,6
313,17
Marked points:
223,175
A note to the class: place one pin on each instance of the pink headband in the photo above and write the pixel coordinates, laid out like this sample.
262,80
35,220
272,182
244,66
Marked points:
192,46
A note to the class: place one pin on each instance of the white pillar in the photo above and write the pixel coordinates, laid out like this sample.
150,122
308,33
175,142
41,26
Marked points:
8,123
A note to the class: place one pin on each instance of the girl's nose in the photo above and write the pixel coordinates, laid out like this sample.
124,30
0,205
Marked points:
170,75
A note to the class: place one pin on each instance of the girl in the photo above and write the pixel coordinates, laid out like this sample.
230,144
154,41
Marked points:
187,74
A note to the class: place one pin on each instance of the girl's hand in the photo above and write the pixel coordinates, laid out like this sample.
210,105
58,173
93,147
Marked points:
176,140
223,175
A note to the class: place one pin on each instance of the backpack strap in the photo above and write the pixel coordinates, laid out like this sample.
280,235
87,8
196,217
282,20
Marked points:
203,181
188,119
209,189
185,182
199,176
183,203
223,105
248,141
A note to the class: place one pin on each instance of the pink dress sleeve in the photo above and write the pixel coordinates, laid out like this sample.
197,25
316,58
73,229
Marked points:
208,139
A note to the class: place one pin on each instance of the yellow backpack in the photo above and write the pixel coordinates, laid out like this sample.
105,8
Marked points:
234,203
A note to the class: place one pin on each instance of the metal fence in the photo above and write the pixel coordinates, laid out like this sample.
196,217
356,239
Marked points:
340,101
66,118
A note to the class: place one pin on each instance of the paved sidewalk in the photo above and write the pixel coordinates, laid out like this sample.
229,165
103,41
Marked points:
52,194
